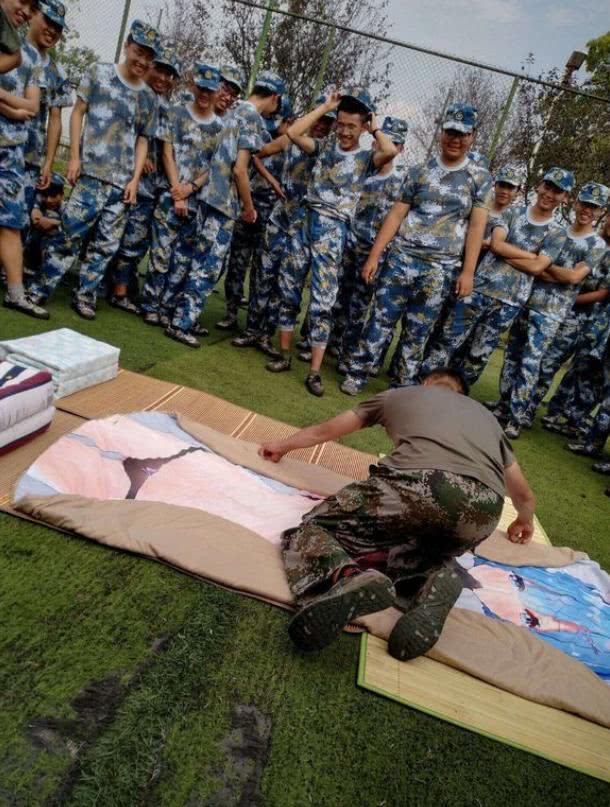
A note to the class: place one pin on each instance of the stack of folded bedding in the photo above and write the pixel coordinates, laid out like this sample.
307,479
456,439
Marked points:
26,404
75,361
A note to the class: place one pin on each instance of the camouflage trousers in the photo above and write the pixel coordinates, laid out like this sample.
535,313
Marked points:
292,276
472,333
407,524
37,247
136,240
353,300
212,246
13,214
600,430
246,250
264,300
171,256
408,290
31,179
97,207
579,391
529,339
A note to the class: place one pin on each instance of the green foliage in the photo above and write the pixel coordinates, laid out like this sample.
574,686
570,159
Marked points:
73,57
599,52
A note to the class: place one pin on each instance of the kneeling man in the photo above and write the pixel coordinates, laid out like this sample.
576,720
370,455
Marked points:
390,539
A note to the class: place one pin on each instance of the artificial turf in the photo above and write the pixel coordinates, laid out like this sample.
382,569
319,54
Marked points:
123,682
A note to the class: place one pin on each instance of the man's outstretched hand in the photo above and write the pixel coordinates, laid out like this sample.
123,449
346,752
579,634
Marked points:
520,532
273,452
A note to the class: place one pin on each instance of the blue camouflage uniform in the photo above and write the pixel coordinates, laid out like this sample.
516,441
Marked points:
13,139
38,242
378,194
242,130
473,329
117,114
421,264
174,238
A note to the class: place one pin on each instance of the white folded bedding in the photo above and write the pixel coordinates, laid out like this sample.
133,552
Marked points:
24,392
25,429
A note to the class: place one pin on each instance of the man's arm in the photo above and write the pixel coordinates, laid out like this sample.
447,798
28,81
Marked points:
9,61
472,250
386,150
131,189
53,138
76,126
15,114
529,266
589,297
268,177
500,246
242,180
566,276
275,147
29,101
389,228
345,423
522,497
297,131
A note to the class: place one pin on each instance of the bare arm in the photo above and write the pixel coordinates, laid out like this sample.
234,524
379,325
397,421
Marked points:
53,138
500,246
76,126
345,423
268,177
275,147
571,276
472,250
590,297
9,61
522,497
29,101
131,189
389,228
242,180
386,150
529,266
297,131
15,114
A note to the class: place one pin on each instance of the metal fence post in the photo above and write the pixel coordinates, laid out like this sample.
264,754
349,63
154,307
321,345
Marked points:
330,44
119,42
260,47
502,120
439,123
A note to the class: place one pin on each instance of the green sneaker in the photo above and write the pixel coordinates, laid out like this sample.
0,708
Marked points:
321,621
420,627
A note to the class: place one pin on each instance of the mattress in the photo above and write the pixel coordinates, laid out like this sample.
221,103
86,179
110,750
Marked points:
75,361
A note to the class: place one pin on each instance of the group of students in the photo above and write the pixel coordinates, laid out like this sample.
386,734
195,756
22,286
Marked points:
212,184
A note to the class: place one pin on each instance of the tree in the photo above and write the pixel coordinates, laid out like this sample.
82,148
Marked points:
73,57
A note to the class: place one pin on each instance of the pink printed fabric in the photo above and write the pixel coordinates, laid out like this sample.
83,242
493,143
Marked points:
92,462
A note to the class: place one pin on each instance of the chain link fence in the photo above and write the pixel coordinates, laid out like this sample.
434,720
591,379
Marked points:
517,112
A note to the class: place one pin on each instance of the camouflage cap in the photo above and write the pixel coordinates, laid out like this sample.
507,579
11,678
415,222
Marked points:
57,181
594,193
206,77
168,57
510,175
396,129
233,75
55,11
478,158
270,81
145,35
361,95
284,112
560,177
461,117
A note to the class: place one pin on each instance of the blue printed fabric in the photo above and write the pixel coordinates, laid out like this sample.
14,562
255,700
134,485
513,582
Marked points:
194,139
262,193
555,300
298,166
337,178
151,182
496,278
55,92
440,201
242,130
13,213
378,194
117,113
16,82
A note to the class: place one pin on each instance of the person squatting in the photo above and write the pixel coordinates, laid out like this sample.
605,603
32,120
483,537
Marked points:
320,207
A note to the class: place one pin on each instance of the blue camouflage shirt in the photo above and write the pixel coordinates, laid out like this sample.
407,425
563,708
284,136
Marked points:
595,330
16,82
441,200
117,113
55,92
152,181
376,198
262,193
242,129
498,279
298,166
337,178
194,139
555,300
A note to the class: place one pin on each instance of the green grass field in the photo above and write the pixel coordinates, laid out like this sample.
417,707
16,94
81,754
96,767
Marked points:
123,682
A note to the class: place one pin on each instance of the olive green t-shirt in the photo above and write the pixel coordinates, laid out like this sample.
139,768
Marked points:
433,427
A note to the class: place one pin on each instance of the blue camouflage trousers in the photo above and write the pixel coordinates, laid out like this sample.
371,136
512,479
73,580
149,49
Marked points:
472,333
579,391
246,251
293,272
93,204
353,301
600,429
136,240
409,290
264,301
529,339
13,214
171,256
32,178
211,248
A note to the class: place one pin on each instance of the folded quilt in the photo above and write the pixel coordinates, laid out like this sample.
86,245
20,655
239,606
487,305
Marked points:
25,430
23,392
75,361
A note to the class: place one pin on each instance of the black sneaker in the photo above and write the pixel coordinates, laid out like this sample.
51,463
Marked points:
313,384
182,336
26,306
583,449
302,344
83,309
304,355
266,346
151,318
491,405
554,424
164,320
245,339
321,621
420,628
512,431
229,323
601,467
199,330
278,365
124,304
